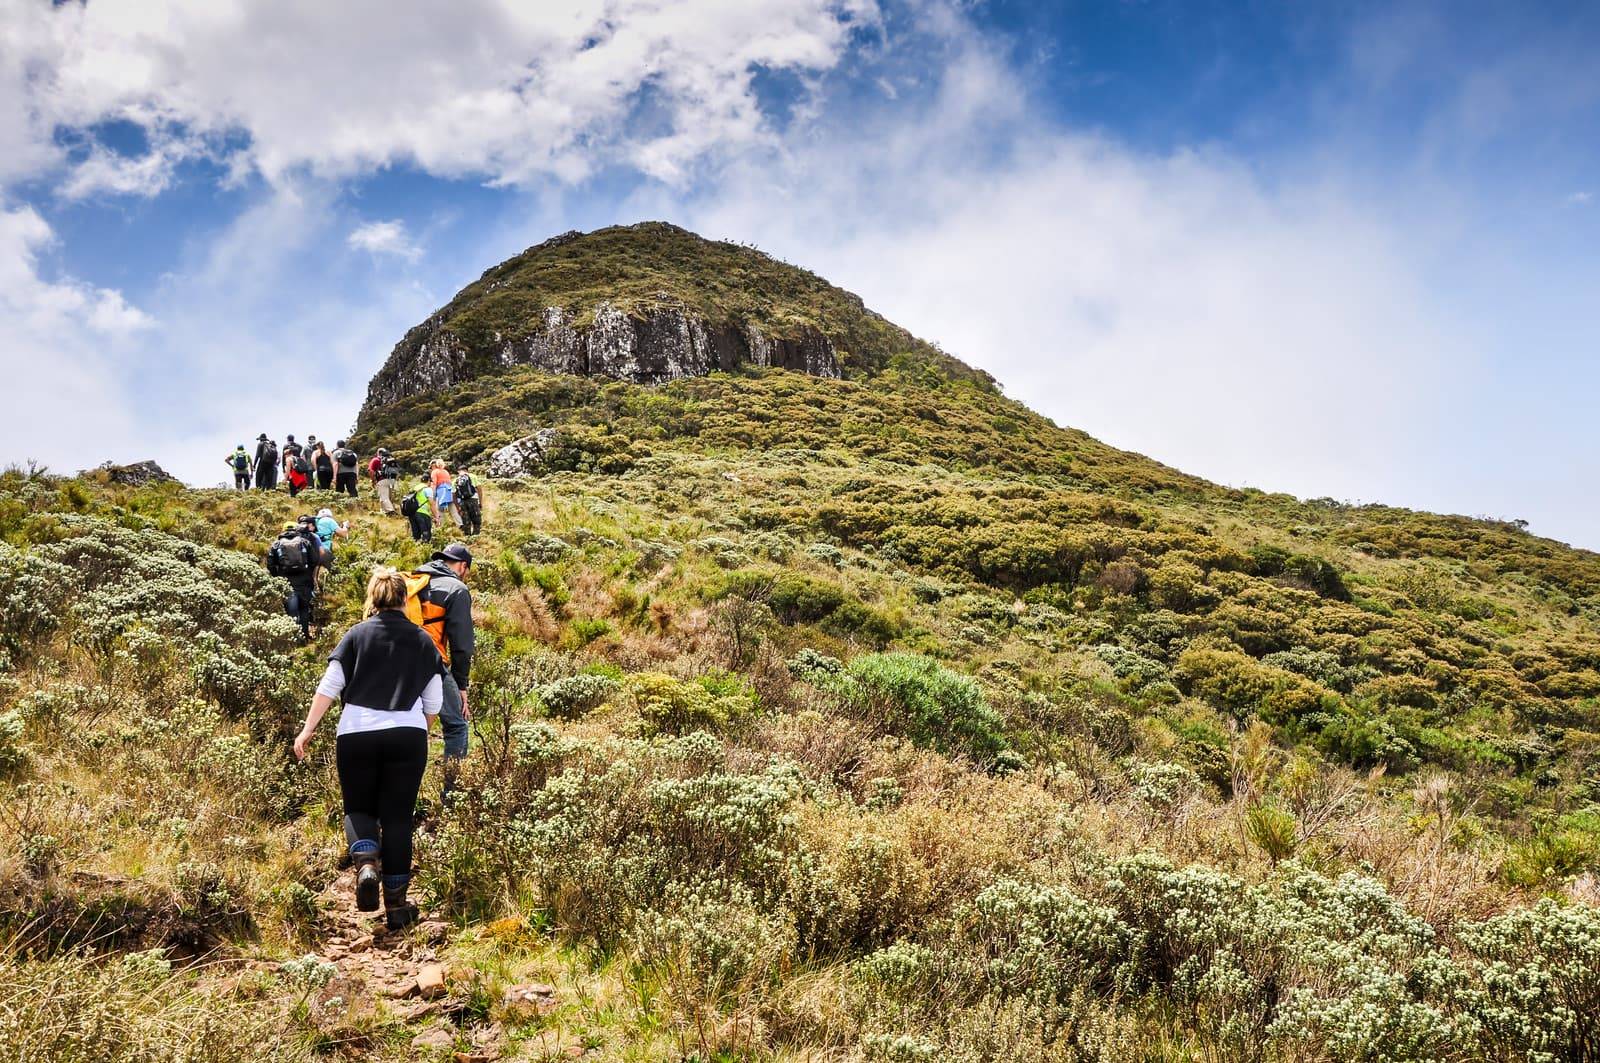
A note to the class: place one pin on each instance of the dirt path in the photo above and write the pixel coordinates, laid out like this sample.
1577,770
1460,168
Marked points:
405,971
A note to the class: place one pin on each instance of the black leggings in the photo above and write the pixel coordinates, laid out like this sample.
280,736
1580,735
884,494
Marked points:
345,483
380,773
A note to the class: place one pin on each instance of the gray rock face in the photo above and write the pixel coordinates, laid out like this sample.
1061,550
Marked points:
138,474
524,456
650,346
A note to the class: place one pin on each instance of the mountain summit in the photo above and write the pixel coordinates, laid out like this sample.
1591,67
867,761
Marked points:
645,303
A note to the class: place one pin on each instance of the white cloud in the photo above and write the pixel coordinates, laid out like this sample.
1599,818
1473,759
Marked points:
385,238
63,339
1295,333
509,89
1580,199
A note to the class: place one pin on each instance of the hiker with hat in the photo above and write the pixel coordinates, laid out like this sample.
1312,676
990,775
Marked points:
443,606
239,462
389,676
266,463
328,528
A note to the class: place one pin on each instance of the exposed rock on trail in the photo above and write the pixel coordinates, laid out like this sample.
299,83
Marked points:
401,971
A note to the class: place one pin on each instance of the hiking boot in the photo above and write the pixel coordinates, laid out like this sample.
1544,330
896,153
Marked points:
367,883
398,912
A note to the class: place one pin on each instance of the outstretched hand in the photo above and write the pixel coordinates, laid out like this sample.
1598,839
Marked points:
301,742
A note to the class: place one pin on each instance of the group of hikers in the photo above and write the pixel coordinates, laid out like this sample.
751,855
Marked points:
408,663
302,466
437,493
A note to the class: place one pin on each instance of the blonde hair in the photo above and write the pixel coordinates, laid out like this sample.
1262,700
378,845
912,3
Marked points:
385,590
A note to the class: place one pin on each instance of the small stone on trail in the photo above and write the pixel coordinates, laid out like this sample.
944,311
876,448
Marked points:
436,1038
420,1010
430,981
401,990
362,943
434,932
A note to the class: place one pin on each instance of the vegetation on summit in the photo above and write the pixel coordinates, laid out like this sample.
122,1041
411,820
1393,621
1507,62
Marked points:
865,719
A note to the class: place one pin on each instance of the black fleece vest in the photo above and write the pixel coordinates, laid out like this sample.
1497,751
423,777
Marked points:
387,662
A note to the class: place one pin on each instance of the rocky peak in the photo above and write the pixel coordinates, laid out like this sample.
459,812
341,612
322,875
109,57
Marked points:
646,303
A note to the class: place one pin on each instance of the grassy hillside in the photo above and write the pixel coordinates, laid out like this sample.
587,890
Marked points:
826,752
865,719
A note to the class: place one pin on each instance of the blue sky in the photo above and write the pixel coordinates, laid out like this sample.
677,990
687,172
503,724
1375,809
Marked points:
1342,250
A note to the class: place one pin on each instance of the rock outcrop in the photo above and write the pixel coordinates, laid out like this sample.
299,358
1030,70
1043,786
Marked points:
138,474
646,345
524,456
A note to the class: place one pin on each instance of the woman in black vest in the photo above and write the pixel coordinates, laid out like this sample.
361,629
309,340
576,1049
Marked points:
387,672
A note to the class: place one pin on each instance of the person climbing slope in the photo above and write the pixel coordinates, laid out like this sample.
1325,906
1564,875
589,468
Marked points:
329,529
389,675
469,502
345,461
322,461
292,558
417,507
385,472
297,467
443,606
291,450
443,492
239,462
266,463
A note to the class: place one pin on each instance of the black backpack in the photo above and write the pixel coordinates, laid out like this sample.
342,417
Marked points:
466,490
301,465
390,470
346,458
288,556
241,461
409,505
270,455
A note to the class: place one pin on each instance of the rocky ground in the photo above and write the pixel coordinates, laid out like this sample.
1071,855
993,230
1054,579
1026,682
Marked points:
375,978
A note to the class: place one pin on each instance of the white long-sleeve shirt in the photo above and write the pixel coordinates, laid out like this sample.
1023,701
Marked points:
354,719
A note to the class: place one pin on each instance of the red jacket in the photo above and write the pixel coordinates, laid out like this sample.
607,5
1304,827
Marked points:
373,466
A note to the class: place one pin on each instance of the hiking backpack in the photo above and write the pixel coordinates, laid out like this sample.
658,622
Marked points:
409,505
389,470
346,458
301,465
288,556
241,461
425,614
466,490
270,456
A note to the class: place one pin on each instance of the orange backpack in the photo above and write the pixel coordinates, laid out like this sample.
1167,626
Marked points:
425,614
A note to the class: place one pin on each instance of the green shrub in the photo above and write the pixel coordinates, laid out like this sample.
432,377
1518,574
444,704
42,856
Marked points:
672,706
919,698
13,755
576,695
1539,973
